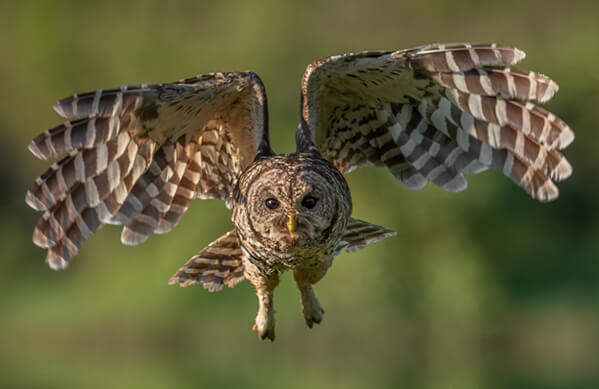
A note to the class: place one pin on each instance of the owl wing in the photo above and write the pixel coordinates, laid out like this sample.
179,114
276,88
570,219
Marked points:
138,155
435,113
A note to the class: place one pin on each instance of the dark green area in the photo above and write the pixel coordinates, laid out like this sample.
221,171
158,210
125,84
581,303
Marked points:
482,289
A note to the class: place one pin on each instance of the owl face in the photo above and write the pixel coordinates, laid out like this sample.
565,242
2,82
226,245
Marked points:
291,202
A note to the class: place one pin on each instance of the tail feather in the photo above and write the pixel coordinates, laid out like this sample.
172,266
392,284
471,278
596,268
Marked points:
359,233
216,265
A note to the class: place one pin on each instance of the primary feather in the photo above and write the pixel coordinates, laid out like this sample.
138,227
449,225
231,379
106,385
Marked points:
138,154
435,113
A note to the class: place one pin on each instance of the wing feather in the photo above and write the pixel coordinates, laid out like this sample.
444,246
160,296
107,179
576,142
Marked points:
136,155
436,113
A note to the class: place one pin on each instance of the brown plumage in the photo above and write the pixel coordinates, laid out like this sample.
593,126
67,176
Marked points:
137,156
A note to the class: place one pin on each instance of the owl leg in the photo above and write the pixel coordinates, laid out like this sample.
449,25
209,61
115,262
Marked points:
305,277
264,324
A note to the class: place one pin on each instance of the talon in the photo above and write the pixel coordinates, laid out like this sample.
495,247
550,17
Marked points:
305,278
317,320
310,320
312,312
264,333
270,335
265,329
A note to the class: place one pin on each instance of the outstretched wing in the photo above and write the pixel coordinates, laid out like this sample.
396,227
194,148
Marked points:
435,113
137,155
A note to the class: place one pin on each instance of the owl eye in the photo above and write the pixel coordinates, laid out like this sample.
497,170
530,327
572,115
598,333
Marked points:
309,202
271,203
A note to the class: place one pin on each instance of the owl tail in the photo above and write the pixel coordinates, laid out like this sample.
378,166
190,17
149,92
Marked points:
217,264
359,233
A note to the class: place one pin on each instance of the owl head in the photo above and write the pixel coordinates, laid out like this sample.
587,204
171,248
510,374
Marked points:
291,202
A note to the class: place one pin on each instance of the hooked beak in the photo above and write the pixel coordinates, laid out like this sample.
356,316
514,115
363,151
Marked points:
291,223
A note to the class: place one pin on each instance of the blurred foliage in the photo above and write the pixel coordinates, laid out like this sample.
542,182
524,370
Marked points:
483,289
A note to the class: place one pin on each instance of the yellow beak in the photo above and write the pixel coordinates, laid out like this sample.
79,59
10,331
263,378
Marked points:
291,223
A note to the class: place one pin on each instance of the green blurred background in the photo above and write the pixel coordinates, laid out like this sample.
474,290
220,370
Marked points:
482,289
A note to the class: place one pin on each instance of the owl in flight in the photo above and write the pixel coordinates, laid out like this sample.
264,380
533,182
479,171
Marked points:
137,155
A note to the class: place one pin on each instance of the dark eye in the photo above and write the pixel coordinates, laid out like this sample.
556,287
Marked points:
309,201
271,203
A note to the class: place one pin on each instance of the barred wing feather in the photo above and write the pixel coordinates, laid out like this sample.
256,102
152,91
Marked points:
436,113
137,155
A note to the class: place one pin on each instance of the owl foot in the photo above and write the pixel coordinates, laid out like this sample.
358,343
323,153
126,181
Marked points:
304,278
264,326
312,310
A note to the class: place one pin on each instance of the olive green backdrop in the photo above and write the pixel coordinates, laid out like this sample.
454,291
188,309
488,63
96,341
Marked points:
482,289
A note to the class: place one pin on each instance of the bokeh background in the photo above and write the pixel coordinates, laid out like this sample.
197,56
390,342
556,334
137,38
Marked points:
482,289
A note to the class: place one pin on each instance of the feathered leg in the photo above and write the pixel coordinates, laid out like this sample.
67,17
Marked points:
264,324
357,235
305,277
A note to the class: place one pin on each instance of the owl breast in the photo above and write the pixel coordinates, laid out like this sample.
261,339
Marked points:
290,210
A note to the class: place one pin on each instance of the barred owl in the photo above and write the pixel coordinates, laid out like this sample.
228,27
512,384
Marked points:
137,155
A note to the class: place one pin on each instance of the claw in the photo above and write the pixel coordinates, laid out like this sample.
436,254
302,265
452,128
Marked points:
264,324
305,278
264,333
312,311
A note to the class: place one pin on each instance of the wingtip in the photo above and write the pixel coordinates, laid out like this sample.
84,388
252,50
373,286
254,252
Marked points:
57,107
176,279
566,137
562,171
547,192
187,282
41,240
56,262
457,184
519,55
414,181
212,287
34,149
552,89
33,202
132,238
389,233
